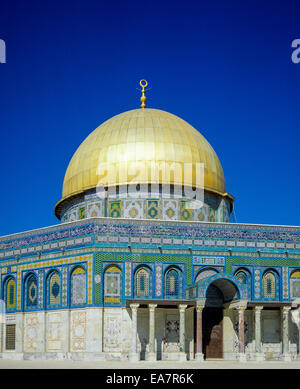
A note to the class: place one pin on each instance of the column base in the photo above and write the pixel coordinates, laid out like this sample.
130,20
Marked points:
259,356
151,357
199,357
77,356
286,357
11,355
182,356
242,357
134,357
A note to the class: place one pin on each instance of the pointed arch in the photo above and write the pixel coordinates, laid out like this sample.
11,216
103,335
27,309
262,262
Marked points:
31,291
9,293
270,284
112,288
173,278
244,277
78,286
240,288
142,278
53,289
295,284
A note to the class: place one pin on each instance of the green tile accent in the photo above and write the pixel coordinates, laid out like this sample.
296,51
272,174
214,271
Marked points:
97,287
146,258
259,262
115,209
185,211
152,209
81,213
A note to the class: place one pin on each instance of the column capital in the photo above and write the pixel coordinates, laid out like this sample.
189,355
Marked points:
285,309
258,308
201,302
152,306
182,307
199,308
134,306
236,304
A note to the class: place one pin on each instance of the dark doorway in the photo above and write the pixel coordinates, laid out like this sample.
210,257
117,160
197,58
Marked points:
212,327
218,292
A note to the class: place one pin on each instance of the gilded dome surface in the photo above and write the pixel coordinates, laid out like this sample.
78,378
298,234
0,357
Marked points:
137,139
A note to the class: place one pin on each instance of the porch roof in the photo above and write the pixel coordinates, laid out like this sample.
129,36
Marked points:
163,303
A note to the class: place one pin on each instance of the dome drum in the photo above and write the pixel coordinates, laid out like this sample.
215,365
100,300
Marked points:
147,205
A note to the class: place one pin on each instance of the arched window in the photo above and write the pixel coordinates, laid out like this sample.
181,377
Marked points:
112,285
142,282
10,294
78,286
54,289
172,283
31,292
270,285
244,277
295,284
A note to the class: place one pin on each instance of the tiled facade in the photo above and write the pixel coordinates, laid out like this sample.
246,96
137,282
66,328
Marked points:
95,262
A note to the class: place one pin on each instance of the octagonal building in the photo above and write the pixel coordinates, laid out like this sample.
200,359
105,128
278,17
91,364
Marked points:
145,262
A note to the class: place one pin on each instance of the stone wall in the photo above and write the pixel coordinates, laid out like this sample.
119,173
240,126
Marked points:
94,333
107,333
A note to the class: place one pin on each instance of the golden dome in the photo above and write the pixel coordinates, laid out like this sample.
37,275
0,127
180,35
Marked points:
138,138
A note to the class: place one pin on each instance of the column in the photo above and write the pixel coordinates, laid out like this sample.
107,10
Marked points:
133,355
69,333
285,333
242,355
298,325
40,336
152,353
259,355
182,354
2,324
45,332
199,344
101,310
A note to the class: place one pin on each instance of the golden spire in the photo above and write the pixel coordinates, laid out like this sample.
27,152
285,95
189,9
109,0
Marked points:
143,84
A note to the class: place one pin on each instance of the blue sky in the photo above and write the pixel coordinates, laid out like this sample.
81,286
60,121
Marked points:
223,66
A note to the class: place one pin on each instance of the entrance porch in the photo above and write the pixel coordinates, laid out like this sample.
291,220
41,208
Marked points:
221,326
